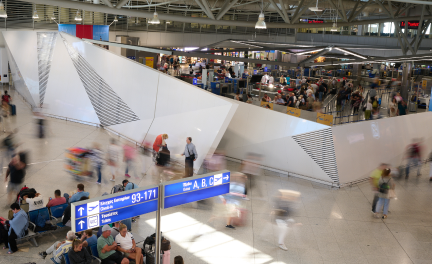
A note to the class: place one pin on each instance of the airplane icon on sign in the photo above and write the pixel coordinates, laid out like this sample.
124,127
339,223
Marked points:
92,208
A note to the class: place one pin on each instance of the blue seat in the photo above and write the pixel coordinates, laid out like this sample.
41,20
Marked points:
58,210
43,212
94,250
128,223
57,213
66,257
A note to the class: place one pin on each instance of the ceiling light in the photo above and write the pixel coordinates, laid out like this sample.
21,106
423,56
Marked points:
334,28
315,8
261,24
35,15
155,19
2,11
53,16
78,16
115,19
306,52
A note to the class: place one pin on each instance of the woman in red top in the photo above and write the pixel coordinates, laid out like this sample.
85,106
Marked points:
159,142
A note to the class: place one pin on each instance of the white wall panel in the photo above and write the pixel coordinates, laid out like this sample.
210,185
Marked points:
361,147
18,80
184,110
135,83
65,94
4,65
24,43
269,133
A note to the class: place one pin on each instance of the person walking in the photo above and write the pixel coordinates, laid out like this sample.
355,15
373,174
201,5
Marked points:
385,184
413,154
97,159
191,155
17,171
113,157
374,181
129,157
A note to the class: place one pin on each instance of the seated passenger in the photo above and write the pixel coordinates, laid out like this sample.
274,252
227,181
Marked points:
89,237
35,201
18,228
129,185
59,248
81,193
78,255
57,199
107,248
127,245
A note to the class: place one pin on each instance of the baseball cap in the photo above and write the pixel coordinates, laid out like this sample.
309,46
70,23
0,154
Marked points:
106,228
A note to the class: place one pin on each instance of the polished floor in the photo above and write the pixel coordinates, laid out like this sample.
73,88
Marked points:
332,225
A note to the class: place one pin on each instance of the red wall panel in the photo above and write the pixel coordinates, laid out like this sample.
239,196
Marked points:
84,31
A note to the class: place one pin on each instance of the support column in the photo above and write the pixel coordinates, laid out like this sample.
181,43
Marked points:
357,71
406,80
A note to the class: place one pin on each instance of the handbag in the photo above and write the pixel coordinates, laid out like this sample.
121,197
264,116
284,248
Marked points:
392,194
191,156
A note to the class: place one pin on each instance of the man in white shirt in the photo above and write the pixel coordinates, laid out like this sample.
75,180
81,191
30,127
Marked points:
127,245
35,201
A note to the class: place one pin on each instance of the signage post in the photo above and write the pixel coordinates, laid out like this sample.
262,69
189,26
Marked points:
112,208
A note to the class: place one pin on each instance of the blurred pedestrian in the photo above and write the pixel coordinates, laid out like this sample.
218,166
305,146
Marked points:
374,181
191,155
129,157
386,184
113,158
16,170
40,123
285,205
368,111
96,156
413,155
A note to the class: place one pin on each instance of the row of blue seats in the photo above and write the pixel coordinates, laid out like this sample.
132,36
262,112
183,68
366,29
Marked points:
48,214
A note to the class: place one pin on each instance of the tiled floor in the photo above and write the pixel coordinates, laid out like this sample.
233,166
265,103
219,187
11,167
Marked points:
332,225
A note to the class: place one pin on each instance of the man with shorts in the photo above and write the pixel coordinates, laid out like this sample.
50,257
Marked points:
107,248
16,170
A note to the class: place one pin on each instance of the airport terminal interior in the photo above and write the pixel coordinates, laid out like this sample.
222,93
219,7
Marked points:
207,131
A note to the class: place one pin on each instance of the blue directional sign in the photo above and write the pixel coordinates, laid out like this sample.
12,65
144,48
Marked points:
195,188
112,208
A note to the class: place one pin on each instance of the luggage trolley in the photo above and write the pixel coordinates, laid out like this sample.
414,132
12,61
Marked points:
78,163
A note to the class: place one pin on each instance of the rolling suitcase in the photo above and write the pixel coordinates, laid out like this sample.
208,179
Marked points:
13,109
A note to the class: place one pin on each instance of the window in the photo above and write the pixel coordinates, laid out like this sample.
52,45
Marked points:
388,28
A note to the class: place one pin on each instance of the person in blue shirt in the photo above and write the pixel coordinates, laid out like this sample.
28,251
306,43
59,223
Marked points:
80,193
191,155
129,185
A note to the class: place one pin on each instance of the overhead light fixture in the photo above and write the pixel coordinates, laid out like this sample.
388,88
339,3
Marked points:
53,16
78,16
261,24
115,19
155,20
35,15
351,53
334,28
315,8
306,52
2,10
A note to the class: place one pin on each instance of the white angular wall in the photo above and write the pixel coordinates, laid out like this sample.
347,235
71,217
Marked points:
76,79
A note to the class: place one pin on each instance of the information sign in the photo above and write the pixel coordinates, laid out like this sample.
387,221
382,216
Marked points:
196,188
112,208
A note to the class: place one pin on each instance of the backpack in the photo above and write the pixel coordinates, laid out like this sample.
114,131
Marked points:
117,188
384,187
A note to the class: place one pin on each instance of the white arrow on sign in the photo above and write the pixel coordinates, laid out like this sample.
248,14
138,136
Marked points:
80,210
226,177
81,223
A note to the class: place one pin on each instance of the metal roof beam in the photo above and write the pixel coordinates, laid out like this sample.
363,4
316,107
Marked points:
279,11
121,4
227,7
107,3
284,11
314,56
